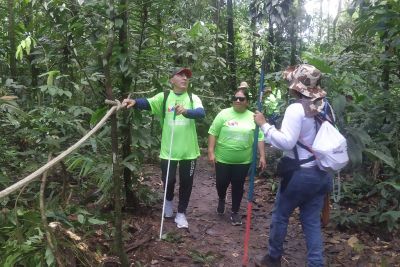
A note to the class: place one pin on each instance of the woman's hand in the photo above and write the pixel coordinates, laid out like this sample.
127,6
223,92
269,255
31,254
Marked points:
211,157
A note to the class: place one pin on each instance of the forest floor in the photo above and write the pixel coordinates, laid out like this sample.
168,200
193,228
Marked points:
211,240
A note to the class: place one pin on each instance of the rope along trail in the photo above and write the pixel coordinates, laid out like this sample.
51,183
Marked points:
34,175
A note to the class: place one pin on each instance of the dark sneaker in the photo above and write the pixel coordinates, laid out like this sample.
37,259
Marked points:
267,261
221,206
236,219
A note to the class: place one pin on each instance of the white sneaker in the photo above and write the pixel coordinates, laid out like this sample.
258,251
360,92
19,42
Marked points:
169,209
181,221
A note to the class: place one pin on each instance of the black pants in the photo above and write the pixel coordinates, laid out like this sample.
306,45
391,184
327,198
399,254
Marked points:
234,174
186,172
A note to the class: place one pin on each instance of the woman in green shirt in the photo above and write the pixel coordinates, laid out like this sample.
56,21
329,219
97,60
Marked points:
230,150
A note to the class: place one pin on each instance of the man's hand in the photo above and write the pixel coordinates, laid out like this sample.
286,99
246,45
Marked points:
128,103
259,118
179,109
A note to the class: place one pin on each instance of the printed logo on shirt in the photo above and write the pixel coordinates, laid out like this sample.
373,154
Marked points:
232,123
239,136
179,122
171,109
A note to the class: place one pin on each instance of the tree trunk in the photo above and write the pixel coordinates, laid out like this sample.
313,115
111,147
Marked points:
328,37
216,22
293,36
271,42
119,247
386,61
126,82
320,22
334,23
253,82
11,36
231,46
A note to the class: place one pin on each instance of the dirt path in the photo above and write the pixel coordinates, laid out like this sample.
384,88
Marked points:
212,241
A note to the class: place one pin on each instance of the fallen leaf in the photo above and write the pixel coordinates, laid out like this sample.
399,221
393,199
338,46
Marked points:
352,241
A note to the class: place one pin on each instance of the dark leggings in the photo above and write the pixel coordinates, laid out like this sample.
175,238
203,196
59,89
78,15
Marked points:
186,172
234,174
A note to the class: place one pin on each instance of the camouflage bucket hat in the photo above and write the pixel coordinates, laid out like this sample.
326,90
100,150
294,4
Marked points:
305,78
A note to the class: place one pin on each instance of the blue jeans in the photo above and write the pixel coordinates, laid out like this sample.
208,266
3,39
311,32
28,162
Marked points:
305,190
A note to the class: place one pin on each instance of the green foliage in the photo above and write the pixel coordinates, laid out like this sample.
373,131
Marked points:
203,258
172,237
21,238
60,89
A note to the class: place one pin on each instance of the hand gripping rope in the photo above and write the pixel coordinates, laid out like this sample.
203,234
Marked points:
253,172
167,175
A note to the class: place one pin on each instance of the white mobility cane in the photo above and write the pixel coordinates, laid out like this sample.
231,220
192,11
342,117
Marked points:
166,178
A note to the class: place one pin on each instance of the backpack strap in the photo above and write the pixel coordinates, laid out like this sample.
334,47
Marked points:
164,108
191,98
296,154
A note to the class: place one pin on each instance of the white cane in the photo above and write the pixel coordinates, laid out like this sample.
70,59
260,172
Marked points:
166,178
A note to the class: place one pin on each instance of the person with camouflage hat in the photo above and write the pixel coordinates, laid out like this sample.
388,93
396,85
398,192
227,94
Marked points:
302,184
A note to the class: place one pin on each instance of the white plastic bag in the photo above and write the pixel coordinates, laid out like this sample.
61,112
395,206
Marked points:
330,148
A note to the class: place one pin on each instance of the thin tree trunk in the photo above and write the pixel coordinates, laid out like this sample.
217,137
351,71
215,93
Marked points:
320,21
11,36
126,82
253,82
231,46
119,247
216,21
271,40
328,37
334,23
293,37
386,61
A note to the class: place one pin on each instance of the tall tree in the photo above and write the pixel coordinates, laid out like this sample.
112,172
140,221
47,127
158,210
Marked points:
126,80
231,46
293,34
107,57
335,21
11,36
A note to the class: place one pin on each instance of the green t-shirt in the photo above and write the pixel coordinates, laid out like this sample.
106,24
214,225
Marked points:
234,132
184,144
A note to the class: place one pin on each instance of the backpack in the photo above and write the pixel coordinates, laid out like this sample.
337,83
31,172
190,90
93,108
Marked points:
329,148
164,104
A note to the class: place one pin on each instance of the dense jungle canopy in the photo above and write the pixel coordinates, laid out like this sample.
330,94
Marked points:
60,61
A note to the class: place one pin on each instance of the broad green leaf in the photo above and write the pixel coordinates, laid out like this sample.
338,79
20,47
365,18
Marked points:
49,256
130,166
317,62
339,103
388,159
119,23
393,215
98,115
393,184
81,218
96,221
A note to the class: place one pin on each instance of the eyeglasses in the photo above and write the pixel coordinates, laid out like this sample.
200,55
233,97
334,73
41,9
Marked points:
240,98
